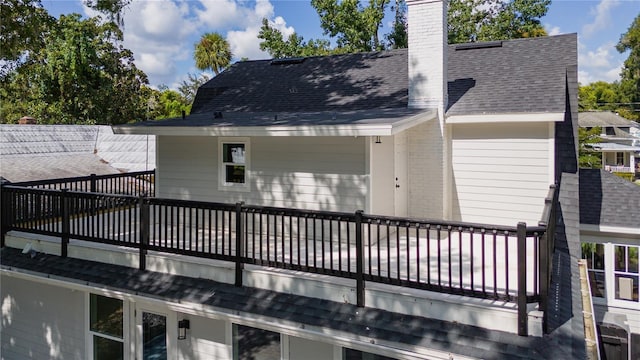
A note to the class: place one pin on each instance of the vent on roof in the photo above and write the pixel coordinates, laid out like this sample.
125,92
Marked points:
480,45
287,61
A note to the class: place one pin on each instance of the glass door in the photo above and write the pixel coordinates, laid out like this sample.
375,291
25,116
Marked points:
153,335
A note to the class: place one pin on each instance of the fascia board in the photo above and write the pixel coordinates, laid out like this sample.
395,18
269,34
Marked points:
505,118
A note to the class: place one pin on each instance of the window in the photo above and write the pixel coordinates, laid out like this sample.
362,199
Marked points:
350,354
234,164
626,272
594,254
106,319
255,344
619,158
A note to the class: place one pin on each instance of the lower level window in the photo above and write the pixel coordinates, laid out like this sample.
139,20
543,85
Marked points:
626,272
255,344
106,320
350,354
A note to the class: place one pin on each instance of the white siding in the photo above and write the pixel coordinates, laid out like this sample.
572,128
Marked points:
501,172
41,321
318,173
309,350
207,339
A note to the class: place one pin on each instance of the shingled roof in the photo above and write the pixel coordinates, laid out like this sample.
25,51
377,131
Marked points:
378,326
606,199
511,76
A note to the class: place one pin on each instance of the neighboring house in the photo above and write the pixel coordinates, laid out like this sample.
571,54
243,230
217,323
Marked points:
620,140
35,152
471,133
610,234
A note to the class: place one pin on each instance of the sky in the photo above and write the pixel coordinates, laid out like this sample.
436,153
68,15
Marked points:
162,33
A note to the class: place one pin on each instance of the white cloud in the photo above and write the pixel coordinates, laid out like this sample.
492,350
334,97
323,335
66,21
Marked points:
598,65
602,17
552,30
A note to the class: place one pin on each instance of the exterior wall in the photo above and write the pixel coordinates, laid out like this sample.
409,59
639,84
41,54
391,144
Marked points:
501,172
382,176
300,348
425,152
206,339
41,321
317,173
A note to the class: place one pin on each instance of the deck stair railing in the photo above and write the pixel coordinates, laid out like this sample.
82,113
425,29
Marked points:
506,263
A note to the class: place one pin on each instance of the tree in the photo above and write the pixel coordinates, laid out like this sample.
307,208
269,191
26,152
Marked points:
630,75
23,25
212,52
273,42
354,26
189,87
111,8
398,38
82,75
587,158
487,20
599,95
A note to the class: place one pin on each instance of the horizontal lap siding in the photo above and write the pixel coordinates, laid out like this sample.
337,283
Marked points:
501,172
41,321
319,173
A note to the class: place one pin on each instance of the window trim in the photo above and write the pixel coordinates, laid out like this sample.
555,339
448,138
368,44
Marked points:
223,185
89,334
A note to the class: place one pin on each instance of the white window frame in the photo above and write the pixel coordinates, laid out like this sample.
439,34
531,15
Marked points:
223,185
615,272
125,326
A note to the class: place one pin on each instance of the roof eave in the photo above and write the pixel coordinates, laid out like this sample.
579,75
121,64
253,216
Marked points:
373,129
505,118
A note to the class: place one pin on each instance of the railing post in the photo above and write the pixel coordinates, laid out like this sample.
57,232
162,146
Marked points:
360,298
543,279
64,240
93,184
145,223
4,214
523,326
239,244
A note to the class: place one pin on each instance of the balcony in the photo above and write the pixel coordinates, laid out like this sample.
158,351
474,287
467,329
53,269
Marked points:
427,258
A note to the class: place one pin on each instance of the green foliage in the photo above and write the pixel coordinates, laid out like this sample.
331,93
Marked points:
273,42
23,25
212,52
487,20
189,87
111,8
630,75
82,75
587,158
165,103
355,26
398,38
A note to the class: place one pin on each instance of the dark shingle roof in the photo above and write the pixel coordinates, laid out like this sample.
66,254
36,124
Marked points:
378,325
322,83
606,199
524,75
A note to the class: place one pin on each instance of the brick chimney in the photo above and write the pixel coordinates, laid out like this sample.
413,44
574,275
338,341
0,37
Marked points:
427,32
27,120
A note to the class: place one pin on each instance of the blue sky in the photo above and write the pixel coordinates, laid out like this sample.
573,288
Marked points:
162,33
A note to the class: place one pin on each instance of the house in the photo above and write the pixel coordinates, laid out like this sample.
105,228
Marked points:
35,152
620,140
610,235
255,242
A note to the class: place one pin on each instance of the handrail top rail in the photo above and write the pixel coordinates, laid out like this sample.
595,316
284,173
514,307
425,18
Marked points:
80,178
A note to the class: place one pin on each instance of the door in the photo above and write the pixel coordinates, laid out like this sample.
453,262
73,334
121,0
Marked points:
154,335
400,173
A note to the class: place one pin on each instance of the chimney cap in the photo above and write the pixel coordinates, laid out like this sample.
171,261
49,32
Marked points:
27,120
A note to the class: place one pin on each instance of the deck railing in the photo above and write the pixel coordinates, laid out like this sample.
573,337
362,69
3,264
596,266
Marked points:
477,260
